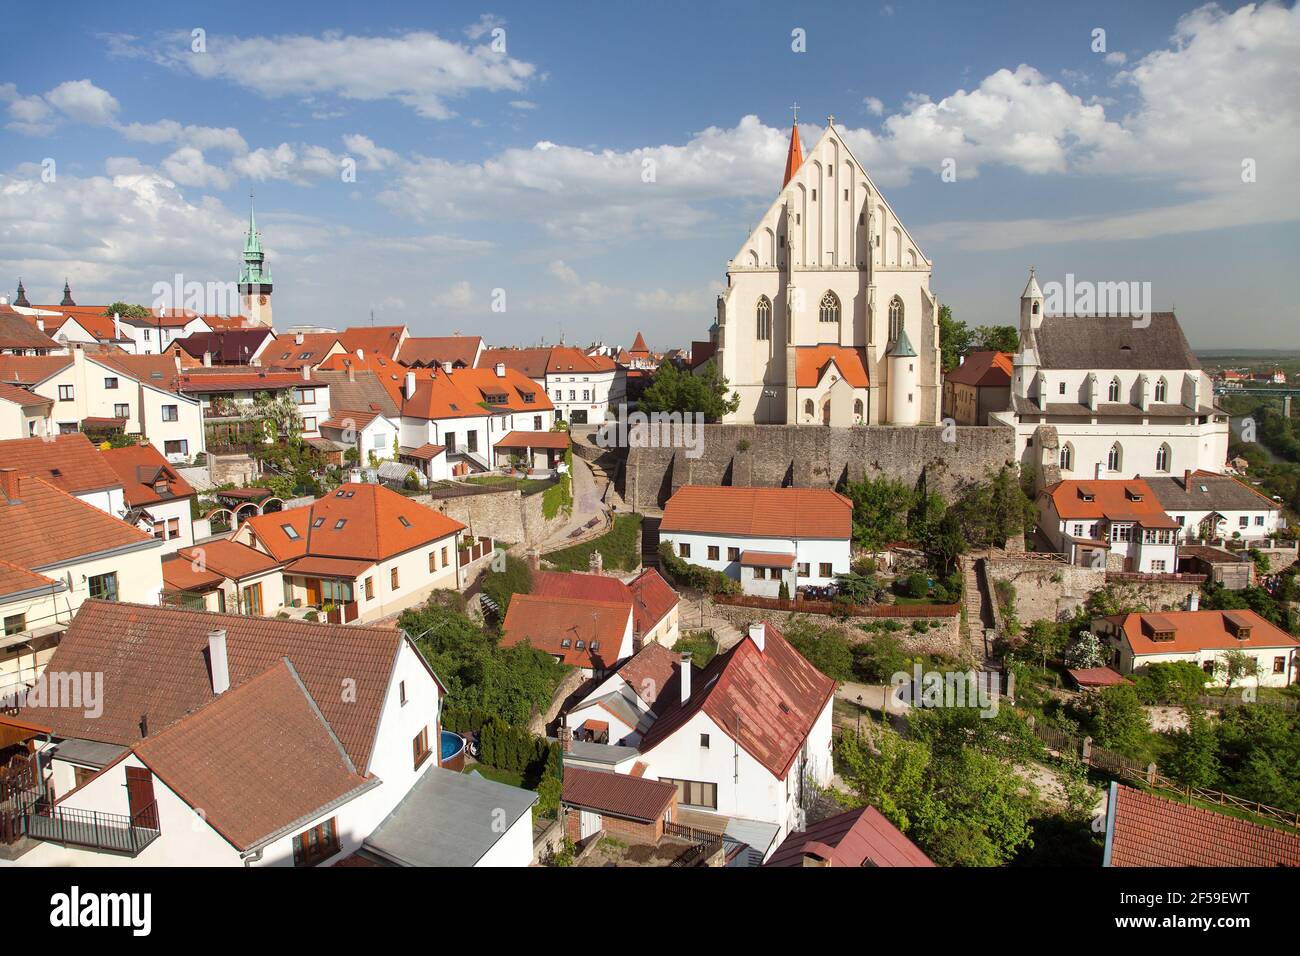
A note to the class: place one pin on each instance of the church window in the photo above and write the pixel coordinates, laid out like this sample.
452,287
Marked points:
1115,460
1113,394
1067,457
1163,454
764,314
895,317
1035,308
846,195
857,410
808,407
830,308
814,195
1162,390
1061,388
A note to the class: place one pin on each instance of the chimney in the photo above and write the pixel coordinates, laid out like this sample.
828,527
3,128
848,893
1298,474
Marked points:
535,559
596,563
40,324
410,384
176,354
684,673
1187,479
218,661
297,338
361,354
566,738
144,725
446,366
1194,601
501,369
352,372
758,634
117,325
1096,471
9,483
207,359
306,373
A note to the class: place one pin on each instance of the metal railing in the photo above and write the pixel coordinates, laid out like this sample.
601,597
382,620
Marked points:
110,832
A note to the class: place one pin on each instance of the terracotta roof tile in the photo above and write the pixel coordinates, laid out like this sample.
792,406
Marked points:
182,573
548,622
811,362
861,837
31,369
69,462
44,526
22,396
139,468
1114,499
652,599
230,558
759,512
436,349
1198,631
15,579
651,673
983,369
621,795
384,340
534,440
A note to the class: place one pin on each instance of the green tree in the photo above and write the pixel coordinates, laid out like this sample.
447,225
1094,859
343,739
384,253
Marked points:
955,338
1115,719
826,648
1236,665
997,338
880,508
281,412
127,311
674,390
1194,759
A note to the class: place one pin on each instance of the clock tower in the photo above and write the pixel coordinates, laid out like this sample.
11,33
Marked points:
254,280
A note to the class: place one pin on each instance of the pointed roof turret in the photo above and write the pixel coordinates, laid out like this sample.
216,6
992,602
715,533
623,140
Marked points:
794,158
67,294
254,271
639,345
902,347
21,298
1031,287
253,244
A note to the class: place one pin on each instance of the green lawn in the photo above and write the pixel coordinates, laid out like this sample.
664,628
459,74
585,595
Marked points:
619,548
508,777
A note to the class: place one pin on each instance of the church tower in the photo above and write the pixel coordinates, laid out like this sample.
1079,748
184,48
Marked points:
21,298
1025,363
67,295
254,280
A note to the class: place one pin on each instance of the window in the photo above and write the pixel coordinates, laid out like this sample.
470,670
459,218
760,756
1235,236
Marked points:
830,308
1243,522
103,587
733,554
420,747
450,439
304,396
537,423
760,574
1115,459
1158,567
370,588
338,525
401,692
1078,530
179,447
1067,457
825,568
253,599
290,531
433,561
121,411
309,424
1162,458
402,520
444,557
683,550
704,741
316,845
1060,389
15,623
803,569
392,579
1162,390
170,413
110,382
317,522
895,317
471,440
714,552
65,393
764,318
1279,663
695,793
1259,520
1112,394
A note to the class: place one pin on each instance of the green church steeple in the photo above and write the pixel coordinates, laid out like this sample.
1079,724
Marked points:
254,271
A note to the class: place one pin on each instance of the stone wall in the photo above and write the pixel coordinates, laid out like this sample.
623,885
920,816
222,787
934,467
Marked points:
1054,590
943,635
951,458
238,469
507,516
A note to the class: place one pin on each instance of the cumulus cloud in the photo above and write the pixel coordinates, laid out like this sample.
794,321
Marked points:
78,100
874,105
188,167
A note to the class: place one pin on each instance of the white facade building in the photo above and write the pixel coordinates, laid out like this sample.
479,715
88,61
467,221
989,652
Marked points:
1208,506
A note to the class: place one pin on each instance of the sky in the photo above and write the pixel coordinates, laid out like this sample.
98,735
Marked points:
536,171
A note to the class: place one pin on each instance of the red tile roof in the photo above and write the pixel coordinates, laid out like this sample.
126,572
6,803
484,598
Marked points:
547,622
21,396
68,462
774,696
383,340
651,673
1154,831
181,573
1198,631
759,512
530,362
534,440
31,369
652,599
376,524
44,526
983,370
256,759
811,363
234,346
565,358
638,345
861,837
138,468
236,378
18,331
793,156
1114,499
288,352
436,349
1097,677
15,579
585,587
230,558
154,662
620,795
766,559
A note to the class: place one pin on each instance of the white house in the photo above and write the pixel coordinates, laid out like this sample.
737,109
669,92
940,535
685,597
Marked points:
1202,638
589,634
762,537
1207,505
745,740
582,387
230,393
71,464
156,498
1097,396
23,413
1117,525
224,740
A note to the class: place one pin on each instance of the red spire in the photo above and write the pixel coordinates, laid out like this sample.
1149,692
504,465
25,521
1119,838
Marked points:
794,159
639,345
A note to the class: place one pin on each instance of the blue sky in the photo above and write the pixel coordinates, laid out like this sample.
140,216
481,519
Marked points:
481,169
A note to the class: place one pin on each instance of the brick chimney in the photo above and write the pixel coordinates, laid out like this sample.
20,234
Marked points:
684,676
9,483
566,738
1187,479
218,662
758,634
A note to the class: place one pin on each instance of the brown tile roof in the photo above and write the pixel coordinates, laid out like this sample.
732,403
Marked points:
235,346
620,795
426,452
381,393
1114,342
377,523
983,370
811,362
436,349
230,558
181,573
652,673
287,352
766,559
44,526
256,759
138,468
548,622
1198,631
530,362
638,344
565,358
158,371
31,369
586,587
534,440
15,579
154,662
774,696
69,462
508,393
343,419
1114,499
652,599
1148,830
384,340
1097,677
21,396
1208,491
17,331
861,837
235,378
759,512
329,567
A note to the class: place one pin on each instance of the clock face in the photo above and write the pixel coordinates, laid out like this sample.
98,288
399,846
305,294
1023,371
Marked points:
261,300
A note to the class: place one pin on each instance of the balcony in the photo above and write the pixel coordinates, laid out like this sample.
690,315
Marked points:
106,832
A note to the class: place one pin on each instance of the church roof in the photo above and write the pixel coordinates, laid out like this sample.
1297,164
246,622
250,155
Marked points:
794,158
811,362
902,346
1031,287
1155,341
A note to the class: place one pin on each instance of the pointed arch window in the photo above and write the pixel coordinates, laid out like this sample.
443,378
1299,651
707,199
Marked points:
895,317
830,308
1067,457
857,411
1115,460
1113,392
1162,390
809,408
1164,455
764,316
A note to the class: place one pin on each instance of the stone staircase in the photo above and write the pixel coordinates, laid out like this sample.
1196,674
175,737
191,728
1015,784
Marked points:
978,605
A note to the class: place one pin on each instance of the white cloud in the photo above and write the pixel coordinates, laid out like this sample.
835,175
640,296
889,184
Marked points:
373,157
483,26
1115,58
200,137
523,104
459,296
874,105
188,167
83,101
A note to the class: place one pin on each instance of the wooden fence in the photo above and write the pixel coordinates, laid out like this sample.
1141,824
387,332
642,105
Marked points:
1222,703
830,607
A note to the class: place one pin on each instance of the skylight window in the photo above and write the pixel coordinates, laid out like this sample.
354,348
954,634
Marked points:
338,525
290,531
402,519
581,644
318,522
565,642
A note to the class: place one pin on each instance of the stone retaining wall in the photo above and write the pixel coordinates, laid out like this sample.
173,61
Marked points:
943,635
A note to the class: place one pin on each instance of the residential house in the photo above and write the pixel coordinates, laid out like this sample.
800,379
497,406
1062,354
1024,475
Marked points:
1113,524
225,576
71,464
762,537
461,351
225,740
854,838
227,395
23,413
632,809
363,550
298,350
1203,638
981,384
226,347
157,499
1148,830
591,635
1110,396
18,336
745,740
582,387
1207,505
654,603
620,709
385,340
35,611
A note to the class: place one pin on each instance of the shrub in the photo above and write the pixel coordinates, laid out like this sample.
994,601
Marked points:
918,584
1176,682
684,574
500,586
